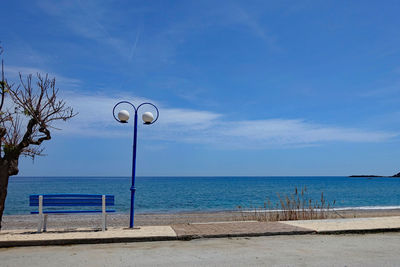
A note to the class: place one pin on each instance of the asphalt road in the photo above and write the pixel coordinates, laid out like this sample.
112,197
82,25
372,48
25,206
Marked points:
306,250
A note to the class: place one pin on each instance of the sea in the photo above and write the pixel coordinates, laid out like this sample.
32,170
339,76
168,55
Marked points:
204,194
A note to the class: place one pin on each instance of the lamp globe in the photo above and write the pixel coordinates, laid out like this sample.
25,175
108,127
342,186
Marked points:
123,115
148,117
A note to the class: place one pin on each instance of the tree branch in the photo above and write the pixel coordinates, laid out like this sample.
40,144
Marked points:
40,104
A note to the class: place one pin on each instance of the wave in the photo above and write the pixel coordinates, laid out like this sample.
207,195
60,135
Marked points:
333,209
369,208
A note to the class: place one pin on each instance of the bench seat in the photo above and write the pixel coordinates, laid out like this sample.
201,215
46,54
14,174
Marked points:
70,211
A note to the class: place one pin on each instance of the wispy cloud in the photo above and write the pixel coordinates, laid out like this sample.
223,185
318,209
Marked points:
383,91
100,22
13,72
300,132
95,116
87,19
226,15
210,128
238,15
197,126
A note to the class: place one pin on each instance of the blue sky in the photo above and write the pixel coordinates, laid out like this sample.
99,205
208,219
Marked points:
243,87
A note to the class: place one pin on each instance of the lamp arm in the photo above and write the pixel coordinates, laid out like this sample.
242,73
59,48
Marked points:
147,103
123,102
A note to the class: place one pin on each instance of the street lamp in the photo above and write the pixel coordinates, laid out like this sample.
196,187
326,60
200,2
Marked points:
123,117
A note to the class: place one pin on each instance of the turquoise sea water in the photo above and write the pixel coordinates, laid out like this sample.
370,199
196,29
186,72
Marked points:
176,194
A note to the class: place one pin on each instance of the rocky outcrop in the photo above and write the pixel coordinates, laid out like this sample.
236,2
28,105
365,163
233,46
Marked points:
374,176
365,176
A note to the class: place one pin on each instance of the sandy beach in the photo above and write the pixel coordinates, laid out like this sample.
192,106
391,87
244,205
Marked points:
74,221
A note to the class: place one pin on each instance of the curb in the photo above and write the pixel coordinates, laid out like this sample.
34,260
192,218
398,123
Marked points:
63,242
191,237
77,241
358,231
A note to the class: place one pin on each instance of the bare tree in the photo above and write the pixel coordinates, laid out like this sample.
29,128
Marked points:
28,111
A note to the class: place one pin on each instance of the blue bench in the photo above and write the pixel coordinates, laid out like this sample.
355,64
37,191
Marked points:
59,204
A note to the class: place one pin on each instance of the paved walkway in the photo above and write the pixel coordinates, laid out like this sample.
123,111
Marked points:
350,225
281,250
13,238
231,229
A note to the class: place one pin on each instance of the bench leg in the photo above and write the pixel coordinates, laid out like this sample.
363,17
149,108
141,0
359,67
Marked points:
40,223
103,210
104,224
44,222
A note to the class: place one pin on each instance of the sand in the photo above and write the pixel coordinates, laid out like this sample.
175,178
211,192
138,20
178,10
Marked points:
73,221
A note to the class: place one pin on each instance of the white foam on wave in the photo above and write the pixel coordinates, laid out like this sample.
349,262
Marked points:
369,208
334,209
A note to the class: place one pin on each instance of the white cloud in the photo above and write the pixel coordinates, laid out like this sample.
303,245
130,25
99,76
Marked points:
300,132
95,116
189,118
209,128
196,126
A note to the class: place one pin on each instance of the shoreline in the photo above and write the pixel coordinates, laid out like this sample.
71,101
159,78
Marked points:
120,220
244,210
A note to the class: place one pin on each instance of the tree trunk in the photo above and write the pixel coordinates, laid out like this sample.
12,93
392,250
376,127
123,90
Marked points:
7,169
4,176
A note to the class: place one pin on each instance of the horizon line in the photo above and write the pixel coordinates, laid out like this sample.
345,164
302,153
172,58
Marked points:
175,176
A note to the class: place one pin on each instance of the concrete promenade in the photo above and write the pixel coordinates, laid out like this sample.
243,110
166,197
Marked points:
378,249
13,238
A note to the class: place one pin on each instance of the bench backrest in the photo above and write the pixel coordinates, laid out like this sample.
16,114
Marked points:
64,200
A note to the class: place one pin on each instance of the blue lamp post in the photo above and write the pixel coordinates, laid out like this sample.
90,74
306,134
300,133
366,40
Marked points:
123,117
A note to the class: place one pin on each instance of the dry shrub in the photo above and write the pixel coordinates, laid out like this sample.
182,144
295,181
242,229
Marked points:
296,206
